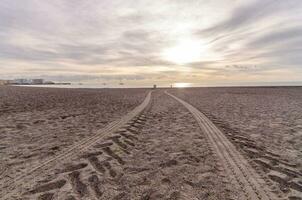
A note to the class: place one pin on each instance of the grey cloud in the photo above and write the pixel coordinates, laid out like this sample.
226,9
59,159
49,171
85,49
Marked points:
243,68
251,14
135,18
276,44
69,24
136,35
279,47
283,57
240,26
127,52
202,64
19,53
277,37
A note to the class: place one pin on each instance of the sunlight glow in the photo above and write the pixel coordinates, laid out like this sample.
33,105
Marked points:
181,85
185,51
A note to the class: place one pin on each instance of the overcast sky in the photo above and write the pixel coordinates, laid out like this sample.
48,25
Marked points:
157,41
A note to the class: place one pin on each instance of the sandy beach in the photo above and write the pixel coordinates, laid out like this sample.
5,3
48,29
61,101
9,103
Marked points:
192,143
265,125
151,100
39,123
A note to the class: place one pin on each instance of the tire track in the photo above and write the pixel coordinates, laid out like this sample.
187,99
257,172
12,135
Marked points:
235,164
10,188
84,179
283,176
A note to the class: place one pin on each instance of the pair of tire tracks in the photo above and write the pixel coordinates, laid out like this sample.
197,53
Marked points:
15,184
83,178
236,166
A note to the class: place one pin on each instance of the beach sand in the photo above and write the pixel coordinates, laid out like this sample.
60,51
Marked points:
56,144
38,123
263,122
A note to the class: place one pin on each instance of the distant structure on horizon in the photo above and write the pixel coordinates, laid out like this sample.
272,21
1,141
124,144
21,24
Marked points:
22,81
37,81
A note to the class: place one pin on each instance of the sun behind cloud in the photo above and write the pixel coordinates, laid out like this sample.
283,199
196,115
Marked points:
189,51
185,51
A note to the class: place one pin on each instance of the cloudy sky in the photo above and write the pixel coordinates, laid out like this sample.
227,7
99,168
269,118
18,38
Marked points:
203,42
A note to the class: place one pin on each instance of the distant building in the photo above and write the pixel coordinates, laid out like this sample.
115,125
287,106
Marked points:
48,83
37,81
63,83
21,81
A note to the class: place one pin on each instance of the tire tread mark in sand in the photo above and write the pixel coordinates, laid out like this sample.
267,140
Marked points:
48,186
16,184
276,169
129,143
235,164
122,146
131,130
111,170
130,137
119,143
78,186
70,168
96,164
95,184
3,170
87,155
114,155
135,125
238,171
